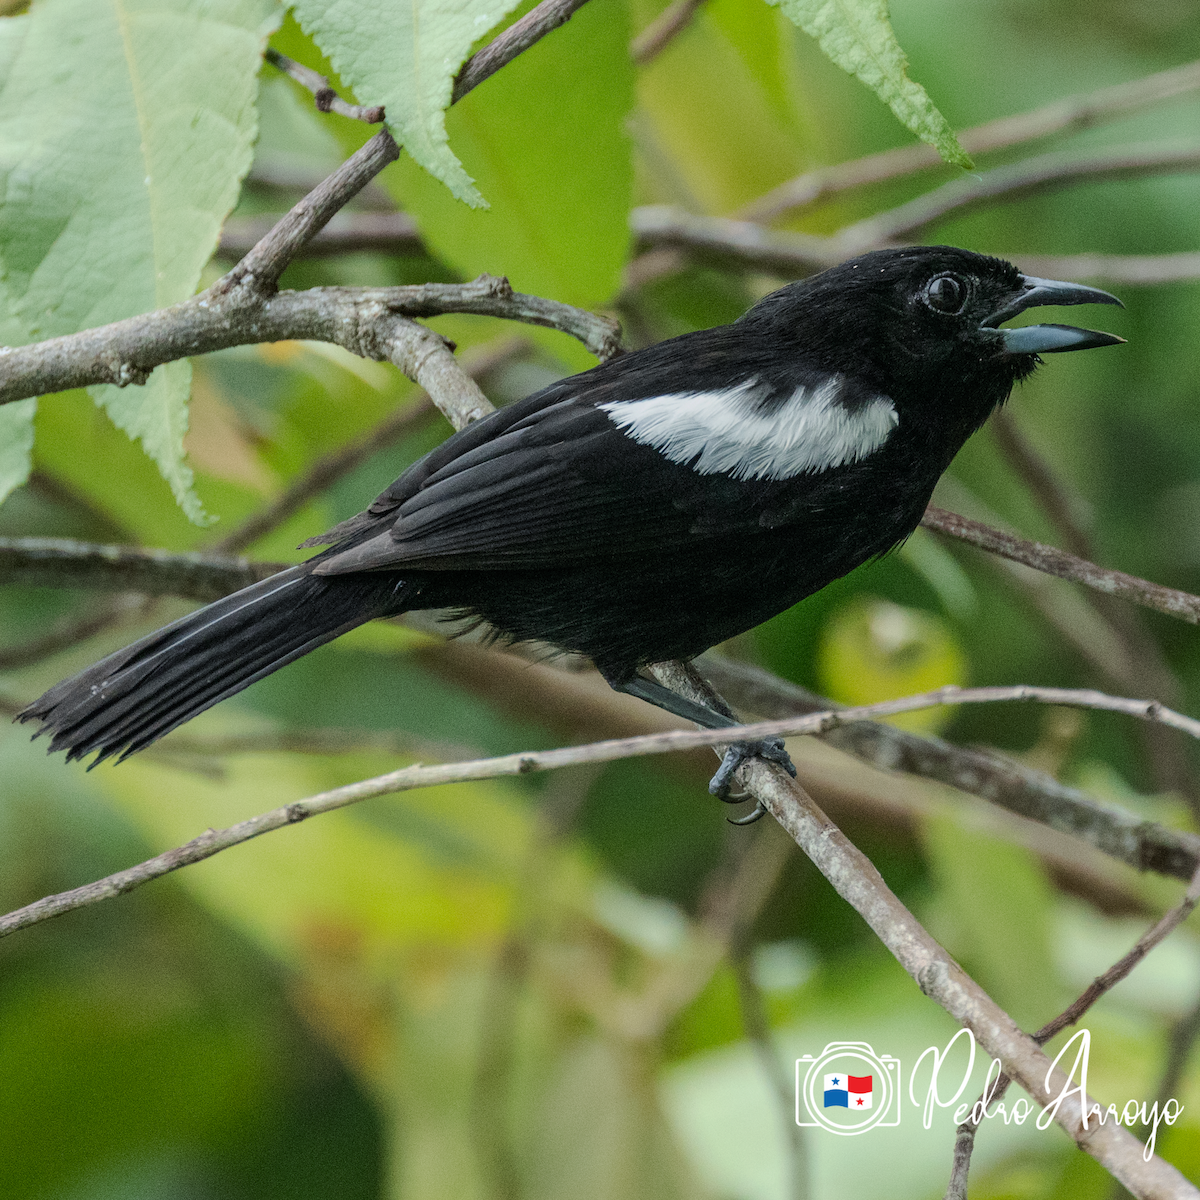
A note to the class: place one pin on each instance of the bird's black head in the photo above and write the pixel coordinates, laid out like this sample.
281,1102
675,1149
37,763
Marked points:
922,324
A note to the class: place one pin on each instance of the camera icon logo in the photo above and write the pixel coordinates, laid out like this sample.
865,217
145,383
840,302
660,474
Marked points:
847,1089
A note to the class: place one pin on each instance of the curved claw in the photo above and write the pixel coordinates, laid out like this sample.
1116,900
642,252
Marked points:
760,810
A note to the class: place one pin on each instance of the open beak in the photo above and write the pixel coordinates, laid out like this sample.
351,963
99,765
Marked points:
1051,339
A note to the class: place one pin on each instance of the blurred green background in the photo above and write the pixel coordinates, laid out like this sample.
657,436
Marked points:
531,988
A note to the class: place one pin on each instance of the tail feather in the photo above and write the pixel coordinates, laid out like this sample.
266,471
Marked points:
231,683
163,676
132,698
184,676
162,703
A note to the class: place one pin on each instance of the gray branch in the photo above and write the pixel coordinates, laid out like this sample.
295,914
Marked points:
1144,670
1137,270
257,275
243,308
731,243
1052,561
724,241
1060,116
765,779
1031,176
964,1142
362,320
62,562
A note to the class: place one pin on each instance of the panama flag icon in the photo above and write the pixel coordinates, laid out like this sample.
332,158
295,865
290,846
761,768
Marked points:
848,1091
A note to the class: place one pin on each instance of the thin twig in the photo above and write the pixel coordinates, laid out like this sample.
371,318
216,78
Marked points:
577,705
1106,982
1102,629
1031,176
1066,115
295,740
258,273
1179,1045
236,299
1052,561
663,30
528,762
964,1143
331,467
326,99
850,872
1144,845
326,471
26,558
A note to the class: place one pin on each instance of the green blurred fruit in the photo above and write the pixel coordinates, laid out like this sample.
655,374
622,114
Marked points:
873,650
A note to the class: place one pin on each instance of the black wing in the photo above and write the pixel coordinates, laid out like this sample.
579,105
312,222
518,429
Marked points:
551,480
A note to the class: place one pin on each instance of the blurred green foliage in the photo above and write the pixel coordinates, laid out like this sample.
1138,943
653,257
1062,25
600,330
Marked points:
514,988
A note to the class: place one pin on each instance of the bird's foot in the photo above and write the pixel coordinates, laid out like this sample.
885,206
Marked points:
770,749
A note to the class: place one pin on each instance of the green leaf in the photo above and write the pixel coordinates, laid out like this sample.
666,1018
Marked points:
405,57
125,130
857,35
156,415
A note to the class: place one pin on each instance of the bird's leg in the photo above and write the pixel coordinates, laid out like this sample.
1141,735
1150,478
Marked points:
771,749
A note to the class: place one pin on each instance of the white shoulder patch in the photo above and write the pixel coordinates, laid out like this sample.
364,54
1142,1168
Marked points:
725,433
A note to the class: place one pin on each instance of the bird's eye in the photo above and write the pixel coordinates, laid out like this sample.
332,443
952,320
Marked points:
946,294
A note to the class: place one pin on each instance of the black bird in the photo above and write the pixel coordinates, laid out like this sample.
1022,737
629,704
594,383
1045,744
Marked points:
641,511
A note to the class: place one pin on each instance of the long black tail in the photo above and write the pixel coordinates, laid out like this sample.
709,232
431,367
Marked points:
135,696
